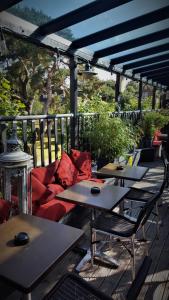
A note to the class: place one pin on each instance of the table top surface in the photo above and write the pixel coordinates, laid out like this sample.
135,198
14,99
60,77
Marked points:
131,173
24,266
80,193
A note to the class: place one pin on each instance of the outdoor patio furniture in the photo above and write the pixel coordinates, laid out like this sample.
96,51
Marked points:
166,166
144,196
24,266
50,180
114,224
73,287
107,199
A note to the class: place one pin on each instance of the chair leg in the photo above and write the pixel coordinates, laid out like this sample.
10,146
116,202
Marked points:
157,221
93,245
133,256
144,233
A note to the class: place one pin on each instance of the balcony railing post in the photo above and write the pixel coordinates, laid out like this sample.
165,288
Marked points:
140,95
154,97
73,101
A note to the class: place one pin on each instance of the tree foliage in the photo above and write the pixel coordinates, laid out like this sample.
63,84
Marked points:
38,18
10,104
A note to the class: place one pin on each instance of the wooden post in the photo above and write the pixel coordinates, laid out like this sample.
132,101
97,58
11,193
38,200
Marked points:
73,101
154,97
140,94
117,87
164,99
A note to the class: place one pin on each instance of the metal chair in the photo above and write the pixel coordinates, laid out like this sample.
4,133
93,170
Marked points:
120,226
144,196
73,287
166,166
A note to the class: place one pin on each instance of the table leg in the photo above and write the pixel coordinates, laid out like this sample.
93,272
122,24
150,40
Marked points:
26,296
93,253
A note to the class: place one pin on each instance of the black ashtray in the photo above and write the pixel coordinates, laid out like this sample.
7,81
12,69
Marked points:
21,238
119,168
95,190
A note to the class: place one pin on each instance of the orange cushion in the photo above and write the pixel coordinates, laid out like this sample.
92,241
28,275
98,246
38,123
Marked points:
66,172
82,161
4,210
46,174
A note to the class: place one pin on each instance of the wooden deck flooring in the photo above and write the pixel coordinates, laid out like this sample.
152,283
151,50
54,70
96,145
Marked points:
116,282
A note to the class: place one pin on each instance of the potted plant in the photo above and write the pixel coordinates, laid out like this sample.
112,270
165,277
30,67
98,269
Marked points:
110,138
151,122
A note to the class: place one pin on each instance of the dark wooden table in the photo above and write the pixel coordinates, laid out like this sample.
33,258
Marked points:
109,197
135,173
24,266
80,193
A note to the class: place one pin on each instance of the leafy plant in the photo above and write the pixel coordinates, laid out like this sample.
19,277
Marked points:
10,104
153,121
110,137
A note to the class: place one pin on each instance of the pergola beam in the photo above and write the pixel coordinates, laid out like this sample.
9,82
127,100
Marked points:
8,3
78,15
151,67
157,77
145,62
143,40
139,54
155,72
132,24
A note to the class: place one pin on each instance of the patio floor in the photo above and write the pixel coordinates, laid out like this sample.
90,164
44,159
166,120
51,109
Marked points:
116,282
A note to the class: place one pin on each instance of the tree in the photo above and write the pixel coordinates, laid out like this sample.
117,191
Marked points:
10,104
96,95
38,18
33,72
129,98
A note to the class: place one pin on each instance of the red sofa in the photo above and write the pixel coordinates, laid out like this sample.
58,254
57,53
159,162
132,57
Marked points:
48,181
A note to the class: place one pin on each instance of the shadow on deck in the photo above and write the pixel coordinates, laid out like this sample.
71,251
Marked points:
116,282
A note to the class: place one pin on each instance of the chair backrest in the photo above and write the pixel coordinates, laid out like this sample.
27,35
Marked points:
146,211
138,282
73,287
162,186
164,158
136,157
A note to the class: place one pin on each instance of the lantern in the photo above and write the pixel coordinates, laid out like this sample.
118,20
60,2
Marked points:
15,174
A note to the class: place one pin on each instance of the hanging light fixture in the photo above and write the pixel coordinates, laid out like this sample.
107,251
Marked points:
88,71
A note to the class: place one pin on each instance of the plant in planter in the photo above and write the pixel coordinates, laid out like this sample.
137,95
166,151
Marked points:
151,122
110,138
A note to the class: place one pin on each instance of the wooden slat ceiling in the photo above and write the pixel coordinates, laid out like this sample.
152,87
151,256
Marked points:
149,62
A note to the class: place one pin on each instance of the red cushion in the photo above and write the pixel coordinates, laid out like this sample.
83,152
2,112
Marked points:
66,172
82,161
51,210
54,210
55,188
4,210
46,174
39,192
157,143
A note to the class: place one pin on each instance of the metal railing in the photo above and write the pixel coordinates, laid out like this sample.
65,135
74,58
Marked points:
46,136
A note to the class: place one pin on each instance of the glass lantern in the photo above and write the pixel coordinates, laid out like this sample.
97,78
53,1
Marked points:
15,174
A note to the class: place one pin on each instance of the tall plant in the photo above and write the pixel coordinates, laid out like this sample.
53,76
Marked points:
153,121
110,137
